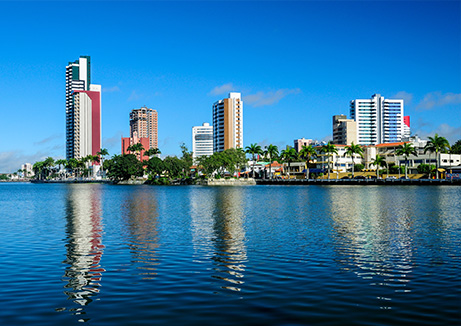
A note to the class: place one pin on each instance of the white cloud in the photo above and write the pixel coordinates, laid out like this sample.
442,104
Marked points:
49,139
111,89
402,95
452,134
11,161
437,99
269,98
223,89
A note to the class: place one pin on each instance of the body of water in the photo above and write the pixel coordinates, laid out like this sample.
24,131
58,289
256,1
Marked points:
257,255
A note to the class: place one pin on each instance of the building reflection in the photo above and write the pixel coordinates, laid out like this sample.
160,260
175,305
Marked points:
373,238
219,234
84,244
140,213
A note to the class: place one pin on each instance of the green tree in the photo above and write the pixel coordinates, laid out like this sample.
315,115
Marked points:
123,167
307,153
102,153
253,150
136,148
175,167
289,155
437,145
329,149
271,152
186,155
152,151
406,150
155,166
379,161
425,168
38,169
352,150
60,162
456,147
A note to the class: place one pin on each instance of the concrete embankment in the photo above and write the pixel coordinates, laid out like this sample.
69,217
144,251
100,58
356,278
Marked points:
364,182
228,182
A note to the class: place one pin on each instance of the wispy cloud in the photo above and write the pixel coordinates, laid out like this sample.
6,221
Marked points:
223,89
113,144
110,89
406,97
269,98
437,99
49,139
134,96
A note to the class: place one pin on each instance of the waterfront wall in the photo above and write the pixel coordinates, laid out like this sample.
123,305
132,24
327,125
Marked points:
426,182
229,182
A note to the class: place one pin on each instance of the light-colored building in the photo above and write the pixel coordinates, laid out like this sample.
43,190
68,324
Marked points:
27,170
228,123
378,120
344,130
144,122
202,140
83,110
299,143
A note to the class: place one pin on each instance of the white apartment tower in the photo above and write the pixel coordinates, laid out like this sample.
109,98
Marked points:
378,120
83,110
202,140
228,123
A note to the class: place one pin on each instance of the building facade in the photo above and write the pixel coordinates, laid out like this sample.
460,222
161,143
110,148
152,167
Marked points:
228,123
83,110
378,120
128,141
299,143
344,130
144,123
202,140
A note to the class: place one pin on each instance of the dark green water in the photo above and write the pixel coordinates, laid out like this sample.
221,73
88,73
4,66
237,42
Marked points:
261,255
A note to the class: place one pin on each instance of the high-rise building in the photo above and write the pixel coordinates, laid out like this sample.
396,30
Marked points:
378,120
299,143
202,140
228,123
83,110
344,130
406,126
144,122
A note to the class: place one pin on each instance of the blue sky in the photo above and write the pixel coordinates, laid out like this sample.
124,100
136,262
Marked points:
295,63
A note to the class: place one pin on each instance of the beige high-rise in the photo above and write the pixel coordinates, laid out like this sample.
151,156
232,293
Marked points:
228,123
144,122
344,130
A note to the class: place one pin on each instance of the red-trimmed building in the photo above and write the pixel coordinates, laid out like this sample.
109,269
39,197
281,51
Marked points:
128,141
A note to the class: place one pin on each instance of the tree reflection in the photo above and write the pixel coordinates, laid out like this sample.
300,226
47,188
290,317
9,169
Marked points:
217,220
84,244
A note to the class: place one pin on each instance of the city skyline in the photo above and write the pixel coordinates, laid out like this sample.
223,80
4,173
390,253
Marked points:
293,76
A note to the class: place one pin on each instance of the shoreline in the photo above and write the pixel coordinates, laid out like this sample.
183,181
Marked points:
286,182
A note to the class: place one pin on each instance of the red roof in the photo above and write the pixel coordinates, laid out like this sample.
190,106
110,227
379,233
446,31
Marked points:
391,144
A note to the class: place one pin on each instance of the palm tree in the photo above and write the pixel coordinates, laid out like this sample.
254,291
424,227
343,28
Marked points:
48,164
329,149
351,151
152,151
306,153
271,151
102,152
72,164
406,150
60,162
436,145
289,155
253,149
379,162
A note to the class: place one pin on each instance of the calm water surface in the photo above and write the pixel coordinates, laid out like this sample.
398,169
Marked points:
261,255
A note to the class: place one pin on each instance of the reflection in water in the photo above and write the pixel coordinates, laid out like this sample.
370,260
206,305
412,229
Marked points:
217,220
84,244
140,211
374,239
